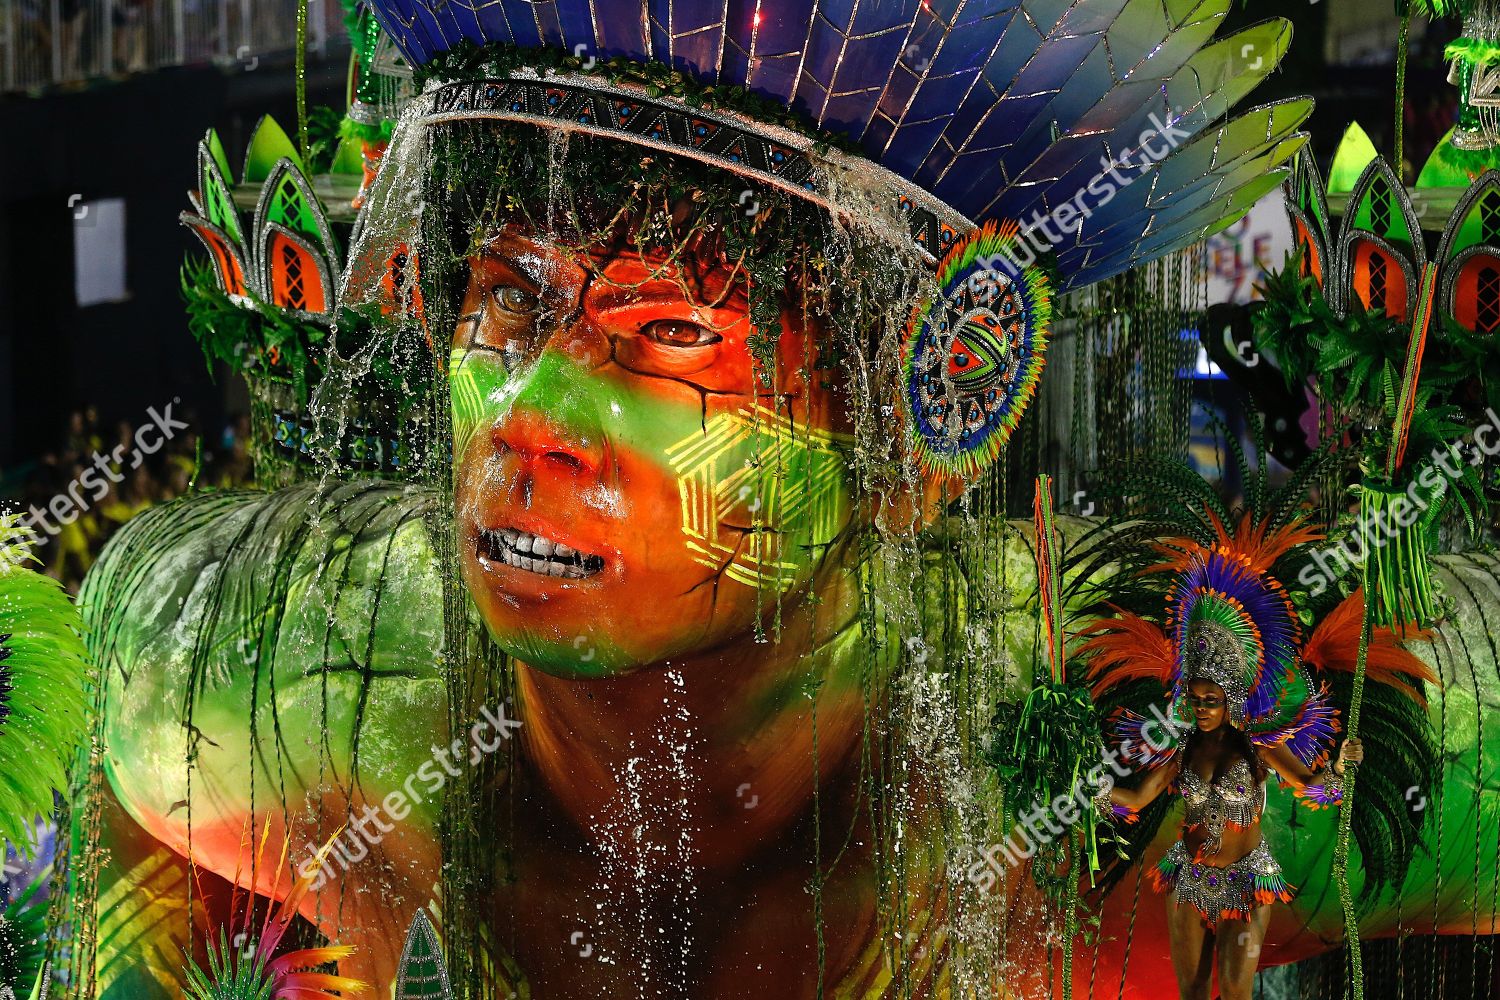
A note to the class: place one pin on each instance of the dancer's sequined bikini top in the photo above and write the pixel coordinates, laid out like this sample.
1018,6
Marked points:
1233,798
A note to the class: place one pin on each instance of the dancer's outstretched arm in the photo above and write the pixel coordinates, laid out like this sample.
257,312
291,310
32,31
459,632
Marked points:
1299,775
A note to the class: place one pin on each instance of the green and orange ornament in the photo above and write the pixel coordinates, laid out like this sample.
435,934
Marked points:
974,353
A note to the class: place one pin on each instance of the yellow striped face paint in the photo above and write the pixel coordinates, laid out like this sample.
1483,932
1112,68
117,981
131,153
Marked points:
791,484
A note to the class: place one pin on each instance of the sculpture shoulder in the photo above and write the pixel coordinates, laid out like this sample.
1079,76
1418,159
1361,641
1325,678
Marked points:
200,591
278,640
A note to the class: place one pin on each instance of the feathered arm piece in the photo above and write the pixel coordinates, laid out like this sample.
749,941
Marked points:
1309,733
1329,792
1149,743
1334,645
1110,810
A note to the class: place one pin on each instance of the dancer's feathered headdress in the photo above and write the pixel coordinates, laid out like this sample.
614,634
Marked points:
1228,620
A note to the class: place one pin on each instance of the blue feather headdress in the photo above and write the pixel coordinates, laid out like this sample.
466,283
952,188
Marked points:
1095,124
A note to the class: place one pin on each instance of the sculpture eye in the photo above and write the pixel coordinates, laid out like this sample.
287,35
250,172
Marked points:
679,333
514,299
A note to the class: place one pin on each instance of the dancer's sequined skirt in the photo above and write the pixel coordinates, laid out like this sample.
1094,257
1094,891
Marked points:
1227,893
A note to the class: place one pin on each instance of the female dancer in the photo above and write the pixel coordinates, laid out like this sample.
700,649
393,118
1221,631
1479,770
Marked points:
1231,653
1221,876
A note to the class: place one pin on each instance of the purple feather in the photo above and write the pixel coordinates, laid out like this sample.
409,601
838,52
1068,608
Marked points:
1142,741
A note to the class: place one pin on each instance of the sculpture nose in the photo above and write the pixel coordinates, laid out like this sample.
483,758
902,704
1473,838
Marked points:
540,440
553,418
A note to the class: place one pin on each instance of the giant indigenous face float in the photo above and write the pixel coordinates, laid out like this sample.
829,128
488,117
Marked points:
630,488
665,654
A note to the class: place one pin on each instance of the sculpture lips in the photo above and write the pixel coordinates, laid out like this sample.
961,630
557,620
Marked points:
523,550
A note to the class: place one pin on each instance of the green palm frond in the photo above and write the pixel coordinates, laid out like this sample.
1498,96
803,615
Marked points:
1125,547
1386,827
230,975
1291,307
43,669
1170,489
23,938
1479,355
1435,428
1285,503
1434,9
1173,501
1355,358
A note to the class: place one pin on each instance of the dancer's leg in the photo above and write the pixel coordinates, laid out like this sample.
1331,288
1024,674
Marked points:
1239,953
1192,950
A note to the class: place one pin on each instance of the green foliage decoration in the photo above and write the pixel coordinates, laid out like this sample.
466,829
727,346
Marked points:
43,671
23,938
229,976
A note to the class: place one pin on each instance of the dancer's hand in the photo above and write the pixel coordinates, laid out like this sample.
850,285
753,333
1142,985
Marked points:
1352,752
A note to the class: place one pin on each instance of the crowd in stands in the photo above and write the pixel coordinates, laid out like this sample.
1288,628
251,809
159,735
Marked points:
65,551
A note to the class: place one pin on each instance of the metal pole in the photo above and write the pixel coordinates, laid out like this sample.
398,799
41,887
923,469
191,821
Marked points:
56,41
10,46
179,28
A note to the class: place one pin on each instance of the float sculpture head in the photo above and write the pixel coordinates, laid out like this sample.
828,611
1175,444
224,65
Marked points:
632,483
710,310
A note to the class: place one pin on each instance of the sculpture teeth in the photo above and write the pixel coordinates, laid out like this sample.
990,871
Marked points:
521,550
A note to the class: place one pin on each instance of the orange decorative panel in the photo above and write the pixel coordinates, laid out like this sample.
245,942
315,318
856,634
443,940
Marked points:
1378,280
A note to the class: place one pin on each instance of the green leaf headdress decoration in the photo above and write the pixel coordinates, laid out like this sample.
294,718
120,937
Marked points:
43,665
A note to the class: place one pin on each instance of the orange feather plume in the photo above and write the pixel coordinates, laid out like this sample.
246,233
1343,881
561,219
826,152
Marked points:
1254,542
1125,648
1334,645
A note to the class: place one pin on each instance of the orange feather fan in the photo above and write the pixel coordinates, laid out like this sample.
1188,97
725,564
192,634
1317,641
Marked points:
1334,645
1125,648
1254,542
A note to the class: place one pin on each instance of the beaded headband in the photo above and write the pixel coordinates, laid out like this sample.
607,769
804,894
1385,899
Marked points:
1213,653
765,153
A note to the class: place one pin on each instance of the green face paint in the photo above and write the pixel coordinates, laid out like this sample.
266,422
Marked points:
707,506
